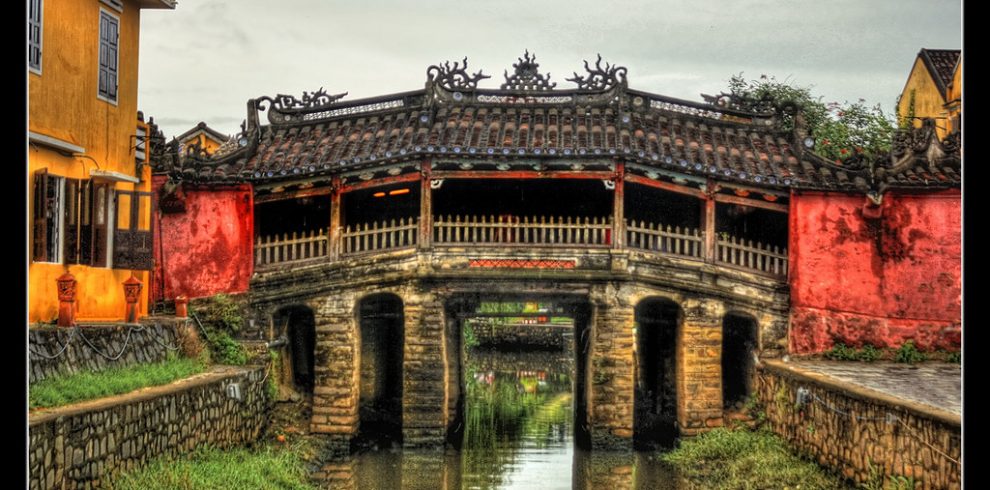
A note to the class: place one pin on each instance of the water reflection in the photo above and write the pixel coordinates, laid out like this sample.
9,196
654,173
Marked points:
518,434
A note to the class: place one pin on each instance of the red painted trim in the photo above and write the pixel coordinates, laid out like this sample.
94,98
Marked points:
281,196
522,174
724,198
397,179
667,186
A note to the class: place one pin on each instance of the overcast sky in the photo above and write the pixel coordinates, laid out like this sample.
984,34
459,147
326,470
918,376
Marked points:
202,61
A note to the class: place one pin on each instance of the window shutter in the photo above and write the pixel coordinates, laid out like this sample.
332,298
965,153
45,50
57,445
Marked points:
132,246
41,212
70,244
99,216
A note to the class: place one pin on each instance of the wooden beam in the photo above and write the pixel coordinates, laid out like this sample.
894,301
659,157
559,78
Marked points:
667,186
281,196
708,222
523,174
618,207
336,213
425,207
753,203
395,179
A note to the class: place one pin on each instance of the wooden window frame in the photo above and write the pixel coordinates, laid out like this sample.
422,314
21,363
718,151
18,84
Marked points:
39,42
44,212
106,14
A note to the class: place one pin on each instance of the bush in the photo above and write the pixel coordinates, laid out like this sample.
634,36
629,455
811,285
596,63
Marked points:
870,353
909,354
955,357
221,312
226,350
840,352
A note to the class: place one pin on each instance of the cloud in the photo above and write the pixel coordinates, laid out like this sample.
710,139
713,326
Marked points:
203,60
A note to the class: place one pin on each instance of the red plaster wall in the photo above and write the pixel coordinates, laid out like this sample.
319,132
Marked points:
880,282
208,249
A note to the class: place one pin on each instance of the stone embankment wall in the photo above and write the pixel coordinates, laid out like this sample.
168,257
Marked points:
87,444
58,351
861,434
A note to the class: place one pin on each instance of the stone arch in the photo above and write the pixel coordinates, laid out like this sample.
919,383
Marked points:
657,322
381,329
297,325
740,343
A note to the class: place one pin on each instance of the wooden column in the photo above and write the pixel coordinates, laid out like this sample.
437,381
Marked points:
336,229
425,208
708,223
618,207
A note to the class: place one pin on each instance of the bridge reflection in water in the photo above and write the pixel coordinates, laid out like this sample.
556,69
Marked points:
518,433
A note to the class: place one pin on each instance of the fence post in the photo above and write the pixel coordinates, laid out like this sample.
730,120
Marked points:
618,207
334,232
425,207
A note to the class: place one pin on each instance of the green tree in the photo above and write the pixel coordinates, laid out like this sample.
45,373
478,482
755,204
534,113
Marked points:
840,130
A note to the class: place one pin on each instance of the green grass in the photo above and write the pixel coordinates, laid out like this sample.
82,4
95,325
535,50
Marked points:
269,466
745,459
63,390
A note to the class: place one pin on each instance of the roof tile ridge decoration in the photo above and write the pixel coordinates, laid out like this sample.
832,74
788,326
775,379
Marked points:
526,76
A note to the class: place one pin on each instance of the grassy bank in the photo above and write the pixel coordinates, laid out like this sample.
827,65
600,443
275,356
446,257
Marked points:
63,390
745,459
269,466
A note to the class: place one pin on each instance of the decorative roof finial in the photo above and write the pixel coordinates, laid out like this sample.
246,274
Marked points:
454,77
600,78
527,76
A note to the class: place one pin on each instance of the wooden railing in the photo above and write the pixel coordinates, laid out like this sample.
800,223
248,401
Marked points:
749,255
522,231
374,237
665,239
290,247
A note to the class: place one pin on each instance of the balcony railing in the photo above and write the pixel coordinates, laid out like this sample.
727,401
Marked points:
747,254
665,239
292,247
522,232
514,231
377,237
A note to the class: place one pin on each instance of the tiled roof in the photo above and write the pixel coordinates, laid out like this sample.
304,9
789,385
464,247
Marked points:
319,136
212,133
941,63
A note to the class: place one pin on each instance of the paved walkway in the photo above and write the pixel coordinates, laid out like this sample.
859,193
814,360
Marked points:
933,384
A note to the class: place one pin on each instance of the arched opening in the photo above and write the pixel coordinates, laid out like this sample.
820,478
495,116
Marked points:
297,325
655,403
738,346
380,406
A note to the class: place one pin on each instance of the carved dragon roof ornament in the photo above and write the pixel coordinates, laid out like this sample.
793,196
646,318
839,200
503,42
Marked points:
600,78
310,101
922,144
454,78
527,75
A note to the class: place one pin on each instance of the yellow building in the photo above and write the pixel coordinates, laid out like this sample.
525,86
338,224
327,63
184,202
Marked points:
88,182
953,97
208,139
927,91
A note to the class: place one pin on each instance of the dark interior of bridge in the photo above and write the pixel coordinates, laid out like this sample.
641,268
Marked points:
501,197
380,406
378,204
292,215
738,346
749,223
656,206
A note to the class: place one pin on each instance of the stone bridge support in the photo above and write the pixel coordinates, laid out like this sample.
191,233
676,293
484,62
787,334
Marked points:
424,399
611,369
337,377
699,370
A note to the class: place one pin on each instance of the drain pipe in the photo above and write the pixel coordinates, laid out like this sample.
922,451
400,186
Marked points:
279,342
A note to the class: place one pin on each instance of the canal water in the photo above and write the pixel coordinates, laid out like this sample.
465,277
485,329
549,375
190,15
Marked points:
518,434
